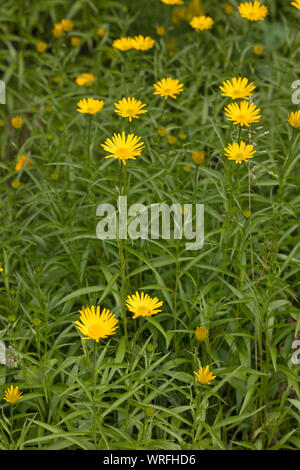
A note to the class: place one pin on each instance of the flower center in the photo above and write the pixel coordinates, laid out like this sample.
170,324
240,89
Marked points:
95,330
122,152
239,156
143,310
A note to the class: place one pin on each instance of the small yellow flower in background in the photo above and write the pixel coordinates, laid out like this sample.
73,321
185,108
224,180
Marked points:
239,152
85,79
41,46
168,87
182,135
237,88
1,269
253,11
187,168
242,114
172,139
173,2
67,25
178,15
36,321
123,44
204,376
200,23
198,156
258,50
130,108
201,333
57,30
149,412
294,119
75,41
21,162
162,131
161,30
90,106
101,32
122,147
142,305
17,122
12,395
95,325
142,43
247,214
57,79
54,176
2,123
15,184
296,4
228,9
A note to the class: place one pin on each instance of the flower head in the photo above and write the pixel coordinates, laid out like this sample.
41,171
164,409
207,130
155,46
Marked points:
101,32
239,152
237,88
258,50
17,122
124,44
75,41
22,160
228,9
142,305
204,375
67,25
198,156
243,113
173,2
201,333
96,325
200,23
142,43
168,87
57,30
130,108
294,119
123,147
253,11
296,4
41,46
1,269
85,79
12,395
161,30
89,106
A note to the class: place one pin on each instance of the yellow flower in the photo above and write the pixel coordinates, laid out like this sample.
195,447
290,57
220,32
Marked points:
296,4
294,119
178,15
67,25
172,139
57,30
15,184
101,32
201,333
21,162
187,168
96,325
123,44
122,147
204,376
90,106
1,269
168,87
228,9
182,136
161,30
75,41
54,176
130,107
142,43
85,79
200,23
198,156
173,2
237,88
41,46
57,79
12,395
242,114
258,50
253,11
162,131
17,122
239,152
142,305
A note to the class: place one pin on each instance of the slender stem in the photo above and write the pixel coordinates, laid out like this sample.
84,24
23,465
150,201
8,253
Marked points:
123,256
11,425
94,429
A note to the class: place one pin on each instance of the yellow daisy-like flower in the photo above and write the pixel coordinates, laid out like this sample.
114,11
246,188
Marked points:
168,87
85,79
162,131
296,4
1,269
198,156
130,108
253,11
122,147
90,106
75,41
173,2
123,44
243,113
41,46
228,9
67,25
258,50
200,23
204,375
101,32
201,333
57,30
161,30
239,152
96,325
22,160
142,305
237,88
12,395
17,122
294,119
142,43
